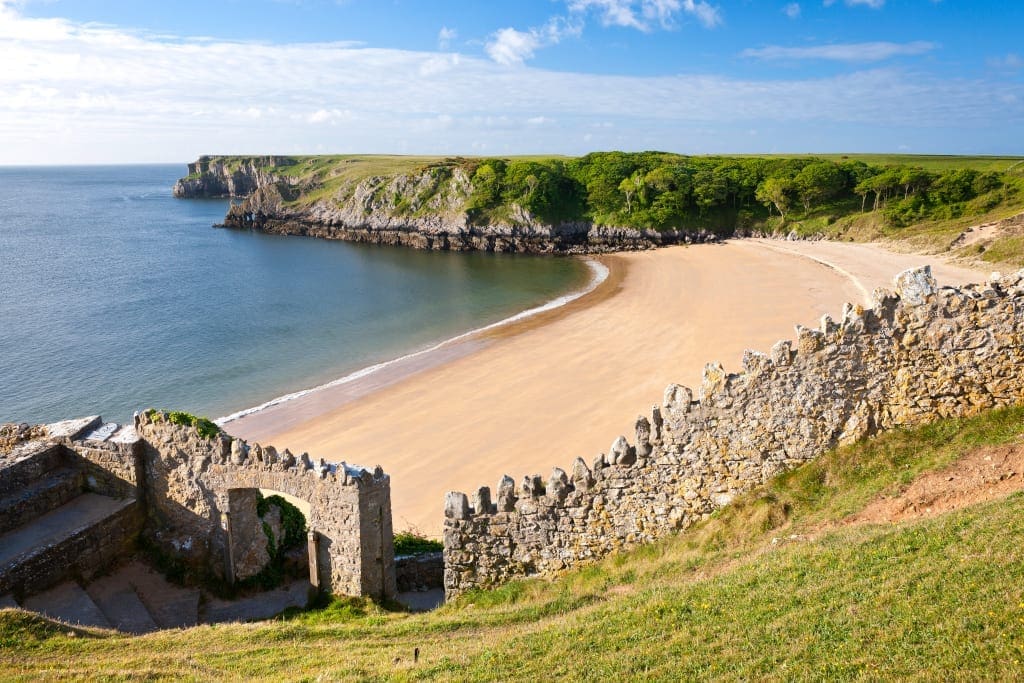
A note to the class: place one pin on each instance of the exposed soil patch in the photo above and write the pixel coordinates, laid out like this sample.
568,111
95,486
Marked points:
985,474
983,235
976,234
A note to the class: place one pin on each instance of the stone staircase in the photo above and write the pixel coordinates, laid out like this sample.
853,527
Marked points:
137,599
51,527
65,549
133,599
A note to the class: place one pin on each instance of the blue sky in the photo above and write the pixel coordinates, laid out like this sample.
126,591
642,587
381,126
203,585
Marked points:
90,81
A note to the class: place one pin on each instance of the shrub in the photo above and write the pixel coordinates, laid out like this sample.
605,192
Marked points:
412,543
206,427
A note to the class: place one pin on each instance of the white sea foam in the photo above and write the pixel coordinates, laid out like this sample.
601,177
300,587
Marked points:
598,274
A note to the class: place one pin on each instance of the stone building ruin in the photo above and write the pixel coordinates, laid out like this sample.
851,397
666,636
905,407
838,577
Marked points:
189,497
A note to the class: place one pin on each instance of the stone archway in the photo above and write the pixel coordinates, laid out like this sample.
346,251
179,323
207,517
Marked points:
190,480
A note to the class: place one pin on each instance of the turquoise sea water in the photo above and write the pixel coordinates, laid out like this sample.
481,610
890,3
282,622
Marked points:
114,296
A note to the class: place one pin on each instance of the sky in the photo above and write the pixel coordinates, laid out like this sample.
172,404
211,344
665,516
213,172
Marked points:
122,81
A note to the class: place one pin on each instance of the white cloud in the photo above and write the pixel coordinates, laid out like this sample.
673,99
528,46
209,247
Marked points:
331,116
645,15
792,10
445,37
708,15
842,52
511,47
87,94
1009,62
873,4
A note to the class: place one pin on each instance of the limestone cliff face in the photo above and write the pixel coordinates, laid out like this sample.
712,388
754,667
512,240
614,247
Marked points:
425,209
233,177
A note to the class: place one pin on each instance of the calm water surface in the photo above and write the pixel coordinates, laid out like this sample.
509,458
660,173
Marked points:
115,296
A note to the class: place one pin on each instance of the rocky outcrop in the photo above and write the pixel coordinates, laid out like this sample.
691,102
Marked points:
922,353
426,209
234,177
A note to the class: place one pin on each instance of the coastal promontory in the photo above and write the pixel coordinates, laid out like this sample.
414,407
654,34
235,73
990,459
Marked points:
610,201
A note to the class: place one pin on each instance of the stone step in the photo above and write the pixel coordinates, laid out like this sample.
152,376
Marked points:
260,606
56,545
170,606
28,463
116,597
101,432
69,603
55,488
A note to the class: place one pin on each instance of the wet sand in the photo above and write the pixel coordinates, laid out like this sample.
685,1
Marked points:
538,393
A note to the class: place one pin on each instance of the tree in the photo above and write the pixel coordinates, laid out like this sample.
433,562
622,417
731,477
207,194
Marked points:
775,191
915,179
819,181
633,187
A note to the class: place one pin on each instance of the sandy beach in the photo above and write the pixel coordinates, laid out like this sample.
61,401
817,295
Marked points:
541,392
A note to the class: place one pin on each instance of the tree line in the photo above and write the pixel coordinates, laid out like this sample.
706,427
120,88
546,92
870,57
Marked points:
663,191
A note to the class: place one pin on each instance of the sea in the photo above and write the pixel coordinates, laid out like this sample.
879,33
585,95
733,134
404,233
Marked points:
115,297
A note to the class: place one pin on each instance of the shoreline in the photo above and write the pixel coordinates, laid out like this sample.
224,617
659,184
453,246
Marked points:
356,384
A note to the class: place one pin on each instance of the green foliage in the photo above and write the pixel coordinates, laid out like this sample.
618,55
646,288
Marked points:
205,427
656,190
293,522
412,543
293,535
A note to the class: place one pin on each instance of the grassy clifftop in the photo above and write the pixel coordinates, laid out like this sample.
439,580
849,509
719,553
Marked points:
787,583
926,200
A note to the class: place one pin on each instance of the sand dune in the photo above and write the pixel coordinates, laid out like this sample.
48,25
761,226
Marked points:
565,385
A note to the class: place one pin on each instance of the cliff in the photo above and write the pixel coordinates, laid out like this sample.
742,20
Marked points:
227,176
400,201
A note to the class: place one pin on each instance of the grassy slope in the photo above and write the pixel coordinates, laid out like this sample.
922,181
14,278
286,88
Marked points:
942,598
931,162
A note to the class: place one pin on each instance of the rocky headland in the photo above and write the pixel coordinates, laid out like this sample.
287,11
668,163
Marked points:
425,206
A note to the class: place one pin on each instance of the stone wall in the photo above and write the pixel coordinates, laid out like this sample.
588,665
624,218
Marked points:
917,355
198,507
419,572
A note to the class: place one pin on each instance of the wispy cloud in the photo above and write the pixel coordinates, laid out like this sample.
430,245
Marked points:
792,10
1009,62
842,52
83,93
445,37
511,47
645,15
873,4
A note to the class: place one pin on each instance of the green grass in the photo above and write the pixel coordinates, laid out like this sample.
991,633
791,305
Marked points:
941,599
931,162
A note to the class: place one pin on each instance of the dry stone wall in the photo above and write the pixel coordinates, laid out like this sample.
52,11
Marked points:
918,354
